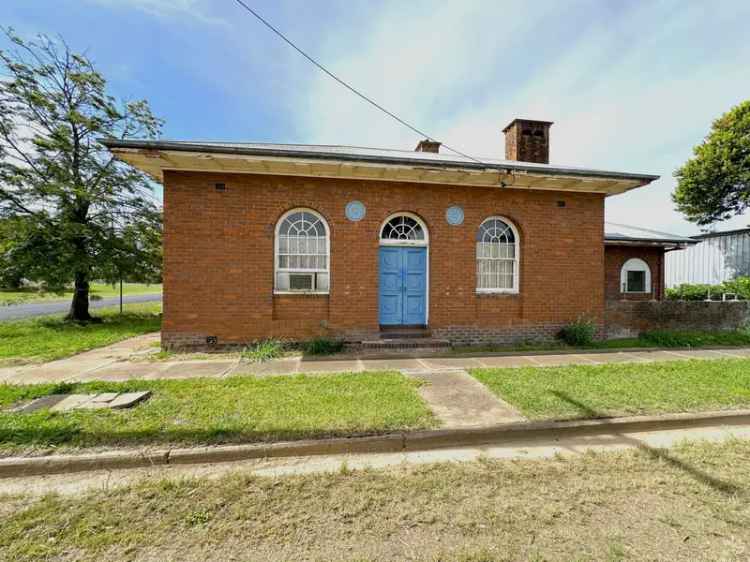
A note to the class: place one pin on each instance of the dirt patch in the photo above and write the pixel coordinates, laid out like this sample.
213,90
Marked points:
690,503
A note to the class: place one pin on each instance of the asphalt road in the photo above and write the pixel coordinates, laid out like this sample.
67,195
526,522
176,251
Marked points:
16,311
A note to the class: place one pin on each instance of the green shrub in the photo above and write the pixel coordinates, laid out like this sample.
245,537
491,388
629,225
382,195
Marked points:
739,286
323,346
579,333
690,292
699,291
263,351
666,338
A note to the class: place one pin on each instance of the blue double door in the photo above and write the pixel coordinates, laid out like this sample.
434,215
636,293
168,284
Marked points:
403,286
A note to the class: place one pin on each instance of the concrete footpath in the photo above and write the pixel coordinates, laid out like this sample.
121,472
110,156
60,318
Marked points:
127,360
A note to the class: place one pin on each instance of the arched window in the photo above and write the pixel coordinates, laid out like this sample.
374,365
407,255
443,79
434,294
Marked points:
302,256
635,276
403,229
497,256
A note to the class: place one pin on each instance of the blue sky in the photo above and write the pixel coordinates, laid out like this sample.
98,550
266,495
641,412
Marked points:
630,85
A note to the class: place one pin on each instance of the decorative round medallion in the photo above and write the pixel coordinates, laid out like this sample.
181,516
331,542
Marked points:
355,211
454,215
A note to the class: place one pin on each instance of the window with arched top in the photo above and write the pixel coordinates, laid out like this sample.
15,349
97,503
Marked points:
302,252
403,229
635,276
497,256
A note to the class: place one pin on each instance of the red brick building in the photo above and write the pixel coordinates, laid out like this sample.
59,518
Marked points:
634,261
298,241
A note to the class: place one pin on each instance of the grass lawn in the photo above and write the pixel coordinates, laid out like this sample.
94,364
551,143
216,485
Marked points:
209,411
102,290
585,391
685,504
50,337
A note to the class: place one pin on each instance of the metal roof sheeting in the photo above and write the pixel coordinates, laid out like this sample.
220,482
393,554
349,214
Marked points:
366,154
615,232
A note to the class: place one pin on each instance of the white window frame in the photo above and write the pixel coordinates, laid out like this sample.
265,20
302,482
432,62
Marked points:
635,264
277,269
392,242
516,261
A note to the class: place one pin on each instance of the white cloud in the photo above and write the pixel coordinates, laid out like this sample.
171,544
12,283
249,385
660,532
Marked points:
632,92
192,9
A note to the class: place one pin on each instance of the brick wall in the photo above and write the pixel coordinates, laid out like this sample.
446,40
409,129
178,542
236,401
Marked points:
616,256
630,318
218,265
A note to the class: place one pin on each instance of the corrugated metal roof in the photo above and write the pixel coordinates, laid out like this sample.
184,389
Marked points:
717,234
367,154
626,233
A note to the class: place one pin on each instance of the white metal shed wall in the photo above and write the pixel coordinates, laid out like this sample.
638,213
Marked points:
713,260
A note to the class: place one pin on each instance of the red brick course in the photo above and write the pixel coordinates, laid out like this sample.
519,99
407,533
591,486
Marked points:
219,259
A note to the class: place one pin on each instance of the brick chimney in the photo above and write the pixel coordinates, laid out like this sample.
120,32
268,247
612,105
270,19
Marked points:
527,140
428,145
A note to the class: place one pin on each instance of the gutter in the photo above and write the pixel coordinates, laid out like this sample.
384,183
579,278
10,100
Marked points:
286,153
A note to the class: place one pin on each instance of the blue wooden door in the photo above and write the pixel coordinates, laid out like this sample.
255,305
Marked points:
403,286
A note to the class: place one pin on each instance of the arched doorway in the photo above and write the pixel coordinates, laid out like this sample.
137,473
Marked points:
403,298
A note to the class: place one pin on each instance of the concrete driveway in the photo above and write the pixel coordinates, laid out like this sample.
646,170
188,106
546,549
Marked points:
18,311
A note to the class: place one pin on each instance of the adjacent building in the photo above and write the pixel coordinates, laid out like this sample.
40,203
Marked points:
714,257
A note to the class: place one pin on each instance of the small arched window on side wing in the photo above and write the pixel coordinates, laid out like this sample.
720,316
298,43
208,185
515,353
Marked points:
635,277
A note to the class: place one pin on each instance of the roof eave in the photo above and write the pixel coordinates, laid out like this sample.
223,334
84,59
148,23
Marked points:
674,244
155,157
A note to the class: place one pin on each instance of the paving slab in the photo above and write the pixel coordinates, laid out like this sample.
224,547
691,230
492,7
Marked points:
122,371
660,355
129,399
390,364
450,362
604,358
728,354
559,360
346,366
270,368
506,361
459,400
71,402
191,369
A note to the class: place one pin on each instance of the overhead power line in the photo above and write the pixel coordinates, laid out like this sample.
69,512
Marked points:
346,84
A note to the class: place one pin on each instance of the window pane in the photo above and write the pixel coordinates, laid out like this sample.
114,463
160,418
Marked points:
322,282
282,281
636,281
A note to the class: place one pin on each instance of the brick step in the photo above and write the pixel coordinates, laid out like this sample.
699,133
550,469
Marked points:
405,333
405,343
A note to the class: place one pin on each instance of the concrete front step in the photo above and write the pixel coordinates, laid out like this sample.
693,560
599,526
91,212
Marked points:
405,343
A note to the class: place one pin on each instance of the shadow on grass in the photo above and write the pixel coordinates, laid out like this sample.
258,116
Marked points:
727,488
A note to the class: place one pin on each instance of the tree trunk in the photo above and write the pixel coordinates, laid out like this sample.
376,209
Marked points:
79,308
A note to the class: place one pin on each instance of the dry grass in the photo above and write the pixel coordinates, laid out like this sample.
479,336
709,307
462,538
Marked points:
689,503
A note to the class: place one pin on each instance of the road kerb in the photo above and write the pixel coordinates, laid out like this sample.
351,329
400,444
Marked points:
389,443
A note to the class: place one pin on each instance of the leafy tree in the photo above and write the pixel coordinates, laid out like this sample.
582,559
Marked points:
714,185
11,275
88,216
